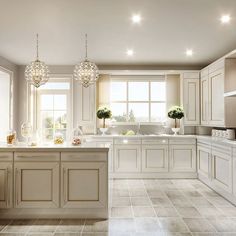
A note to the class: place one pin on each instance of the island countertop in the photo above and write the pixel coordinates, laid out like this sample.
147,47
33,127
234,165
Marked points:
84,147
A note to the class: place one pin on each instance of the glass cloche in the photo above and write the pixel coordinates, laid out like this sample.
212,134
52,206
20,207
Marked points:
77,136
26,131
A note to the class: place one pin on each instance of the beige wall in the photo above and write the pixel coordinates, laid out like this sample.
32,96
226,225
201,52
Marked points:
6,64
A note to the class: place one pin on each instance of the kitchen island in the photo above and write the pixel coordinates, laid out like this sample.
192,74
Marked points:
54,181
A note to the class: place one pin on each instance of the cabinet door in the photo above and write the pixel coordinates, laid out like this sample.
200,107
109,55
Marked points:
155,158
182,158
87,106
216,98
84,185
127,158
191,101
222,170
204,100
5,184
36,184
204,161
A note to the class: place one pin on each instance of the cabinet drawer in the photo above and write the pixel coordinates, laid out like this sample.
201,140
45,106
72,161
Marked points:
127,141
84,156
182,141
37,156
155,141
6,156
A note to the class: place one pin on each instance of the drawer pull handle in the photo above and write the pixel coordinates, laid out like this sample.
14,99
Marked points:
64,184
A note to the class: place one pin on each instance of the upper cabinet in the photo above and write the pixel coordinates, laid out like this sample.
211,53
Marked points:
212,95
191,98
86,111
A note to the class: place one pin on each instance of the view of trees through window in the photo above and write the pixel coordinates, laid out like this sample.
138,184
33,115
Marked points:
138,101
53,109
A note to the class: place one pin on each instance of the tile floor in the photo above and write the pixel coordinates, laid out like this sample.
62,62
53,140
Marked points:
144,208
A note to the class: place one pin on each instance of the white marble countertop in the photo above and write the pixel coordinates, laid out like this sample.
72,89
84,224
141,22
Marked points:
87,146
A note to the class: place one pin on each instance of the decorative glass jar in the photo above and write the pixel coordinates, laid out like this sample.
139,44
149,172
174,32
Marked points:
11,137
77,136
26,131
58,138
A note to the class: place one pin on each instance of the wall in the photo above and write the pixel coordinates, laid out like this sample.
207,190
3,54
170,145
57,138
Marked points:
6,64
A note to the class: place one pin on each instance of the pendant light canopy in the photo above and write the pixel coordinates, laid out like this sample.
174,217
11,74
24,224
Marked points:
86,72
37,72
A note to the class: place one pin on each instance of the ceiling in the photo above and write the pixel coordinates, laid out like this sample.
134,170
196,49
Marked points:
167,29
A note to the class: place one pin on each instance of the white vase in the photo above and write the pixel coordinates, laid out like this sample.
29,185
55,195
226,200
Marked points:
175,130
103,130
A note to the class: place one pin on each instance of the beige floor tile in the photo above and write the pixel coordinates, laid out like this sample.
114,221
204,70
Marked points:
172,224
70,226
140,201
120,193
209,211
96,226
180,201
120,202
143,211
138,192
18,226
121,212
160,201
45,226
191,212
200,201
4,223
199,225
191,193
155,193
166,211
146,225
223,224
124,225
219,201
228,211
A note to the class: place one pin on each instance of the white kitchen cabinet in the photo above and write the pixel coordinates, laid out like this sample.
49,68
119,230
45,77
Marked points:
204,161
5,184
127,158
86,111
191,98
216,98
222,168
84,184
182,158
204,98
155,158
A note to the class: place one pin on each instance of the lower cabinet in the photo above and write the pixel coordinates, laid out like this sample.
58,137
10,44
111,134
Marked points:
6,184
36,184
182,158
83,184
127,158
155,158
222,169
204,161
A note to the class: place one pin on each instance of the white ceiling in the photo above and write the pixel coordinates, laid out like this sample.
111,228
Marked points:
168,28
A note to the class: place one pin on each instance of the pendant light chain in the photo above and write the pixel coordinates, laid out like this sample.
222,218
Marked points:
86,47
37,47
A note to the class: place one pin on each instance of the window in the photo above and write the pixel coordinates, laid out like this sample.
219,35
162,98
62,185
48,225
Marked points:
5,103
53,108
138,101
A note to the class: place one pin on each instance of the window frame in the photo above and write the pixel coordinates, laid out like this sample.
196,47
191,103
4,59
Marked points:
67,92
149,101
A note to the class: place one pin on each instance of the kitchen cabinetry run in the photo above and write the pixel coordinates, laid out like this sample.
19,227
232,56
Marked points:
6,179
204,96
71,182
191,98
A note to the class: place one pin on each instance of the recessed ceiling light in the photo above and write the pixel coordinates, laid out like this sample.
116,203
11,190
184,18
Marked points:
189,52
136,19
130,52
225,19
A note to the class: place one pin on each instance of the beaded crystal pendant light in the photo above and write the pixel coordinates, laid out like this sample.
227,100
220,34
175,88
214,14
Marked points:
37,72
86,72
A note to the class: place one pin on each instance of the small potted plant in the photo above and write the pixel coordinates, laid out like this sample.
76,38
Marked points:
103,113
176,113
